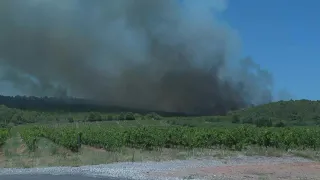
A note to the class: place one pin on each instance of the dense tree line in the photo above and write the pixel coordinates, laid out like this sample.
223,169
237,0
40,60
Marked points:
53,104
12,116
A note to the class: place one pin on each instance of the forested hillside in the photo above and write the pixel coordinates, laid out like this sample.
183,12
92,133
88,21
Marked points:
298,112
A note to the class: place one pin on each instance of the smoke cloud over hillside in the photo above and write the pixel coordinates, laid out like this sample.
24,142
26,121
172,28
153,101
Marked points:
168,55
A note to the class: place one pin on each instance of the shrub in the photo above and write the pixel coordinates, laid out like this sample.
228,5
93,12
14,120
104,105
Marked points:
70,119
280,124
122,116
130,116
153,116
94,116
235,119
109,117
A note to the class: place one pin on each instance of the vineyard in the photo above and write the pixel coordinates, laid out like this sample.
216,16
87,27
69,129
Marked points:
112,138
4,134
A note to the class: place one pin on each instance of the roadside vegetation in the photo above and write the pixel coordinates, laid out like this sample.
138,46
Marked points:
4,134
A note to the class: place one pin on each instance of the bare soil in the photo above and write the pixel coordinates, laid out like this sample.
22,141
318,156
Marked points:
252,171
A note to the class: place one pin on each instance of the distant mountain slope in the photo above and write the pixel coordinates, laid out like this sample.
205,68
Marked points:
52,104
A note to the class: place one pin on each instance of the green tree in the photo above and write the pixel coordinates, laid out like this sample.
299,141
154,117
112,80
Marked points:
122,116
263,122
109,117
153,116
70,119
247,120
94,116
130,116
235,119
316,119
280,124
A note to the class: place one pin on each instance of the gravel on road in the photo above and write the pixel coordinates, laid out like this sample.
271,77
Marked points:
177,169
51,177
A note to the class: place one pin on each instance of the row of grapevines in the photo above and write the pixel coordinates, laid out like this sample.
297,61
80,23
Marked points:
189,137
64,136
30,135
4,134
100,137
239,137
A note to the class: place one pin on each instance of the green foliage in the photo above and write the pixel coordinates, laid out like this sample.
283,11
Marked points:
94,116
290,113
122,116
153,116
110,117
293,112
263,122
235,119
316,119
112,138
247,120
64,136
186,122
130,116
3,125
137,116
4,134
280,124
31,136
70,119
18,117
212,119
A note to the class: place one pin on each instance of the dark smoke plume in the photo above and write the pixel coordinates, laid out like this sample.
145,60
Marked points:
168,55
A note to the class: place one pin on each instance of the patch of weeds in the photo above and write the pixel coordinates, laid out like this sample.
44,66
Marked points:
262,151
307,154
54,150
263,178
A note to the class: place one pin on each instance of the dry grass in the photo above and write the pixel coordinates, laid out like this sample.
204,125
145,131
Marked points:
262,151
15,154
308,154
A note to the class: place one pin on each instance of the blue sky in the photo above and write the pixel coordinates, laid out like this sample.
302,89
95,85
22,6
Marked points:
283,36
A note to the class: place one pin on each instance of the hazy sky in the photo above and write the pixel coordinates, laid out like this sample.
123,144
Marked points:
284,37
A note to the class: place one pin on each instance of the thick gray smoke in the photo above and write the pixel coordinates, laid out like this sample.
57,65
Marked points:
169,55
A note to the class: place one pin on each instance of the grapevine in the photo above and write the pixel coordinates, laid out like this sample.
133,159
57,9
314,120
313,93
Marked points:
115,137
